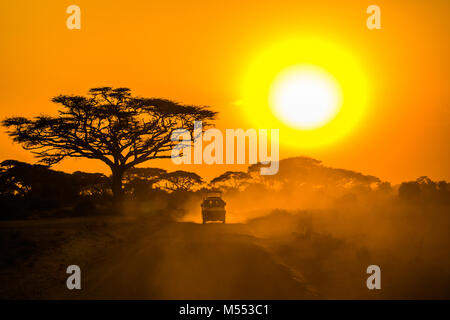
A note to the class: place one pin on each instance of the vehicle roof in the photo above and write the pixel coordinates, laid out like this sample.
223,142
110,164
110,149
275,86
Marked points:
213,198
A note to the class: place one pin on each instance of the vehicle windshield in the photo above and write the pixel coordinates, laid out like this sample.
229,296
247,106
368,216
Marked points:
212,203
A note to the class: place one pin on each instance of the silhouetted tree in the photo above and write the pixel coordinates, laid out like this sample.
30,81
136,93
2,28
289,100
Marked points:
108,125
139,182
231,179
409,191
304,174
12,174
148,174
90,184
180,181
36,182
425,190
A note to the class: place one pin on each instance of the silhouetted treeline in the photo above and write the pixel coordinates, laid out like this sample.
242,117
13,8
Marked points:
33,190
424,190
26,189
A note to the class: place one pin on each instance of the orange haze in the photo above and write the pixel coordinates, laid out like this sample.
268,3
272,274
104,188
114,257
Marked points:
196,52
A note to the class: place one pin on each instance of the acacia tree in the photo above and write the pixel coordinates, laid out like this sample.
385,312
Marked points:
139,182
37,181
108,125
180,180
232,179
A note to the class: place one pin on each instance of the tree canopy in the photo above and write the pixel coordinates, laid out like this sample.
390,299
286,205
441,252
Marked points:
180,180
231,179
109,125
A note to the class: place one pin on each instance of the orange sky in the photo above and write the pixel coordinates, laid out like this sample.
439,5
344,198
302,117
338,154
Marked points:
197,52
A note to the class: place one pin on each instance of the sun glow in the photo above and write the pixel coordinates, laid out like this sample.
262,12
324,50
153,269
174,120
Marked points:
305,97
314,91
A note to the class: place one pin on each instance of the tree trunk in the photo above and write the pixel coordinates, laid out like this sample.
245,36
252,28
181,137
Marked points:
117,190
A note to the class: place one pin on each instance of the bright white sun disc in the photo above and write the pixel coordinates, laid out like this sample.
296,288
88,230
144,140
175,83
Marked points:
305,97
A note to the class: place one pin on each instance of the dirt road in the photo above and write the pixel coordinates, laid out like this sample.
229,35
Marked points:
190,261
150,259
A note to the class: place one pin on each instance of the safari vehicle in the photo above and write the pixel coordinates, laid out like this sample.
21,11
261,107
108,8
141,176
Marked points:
213,207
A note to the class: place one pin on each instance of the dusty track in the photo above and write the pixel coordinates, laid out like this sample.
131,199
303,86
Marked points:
191,261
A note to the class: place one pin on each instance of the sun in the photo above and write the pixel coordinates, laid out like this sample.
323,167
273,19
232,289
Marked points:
305,97
313,90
